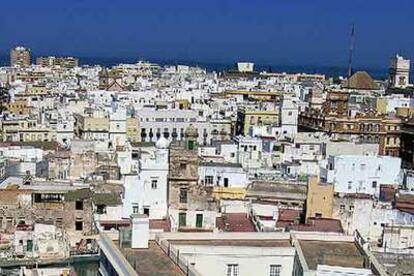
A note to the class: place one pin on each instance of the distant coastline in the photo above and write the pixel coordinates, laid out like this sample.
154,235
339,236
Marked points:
329,71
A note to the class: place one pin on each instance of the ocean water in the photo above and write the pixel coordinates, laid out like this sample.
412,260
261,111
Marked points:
330,71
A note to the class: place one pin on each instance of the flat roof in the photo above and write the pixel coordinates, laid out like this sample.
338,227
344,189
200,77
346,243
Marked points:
276,187
41,186
235,242
220,164
151,261
332,253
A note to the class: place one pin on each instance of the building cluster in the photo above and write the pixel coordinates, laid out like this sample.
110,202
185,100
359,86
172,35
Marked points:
175,170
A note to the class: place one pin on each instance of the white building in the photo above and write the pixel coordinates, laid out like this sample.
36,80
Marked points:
392,102
22,153
361,174
249,152
146,193
117,127
228,175
245,66
288,121
171,123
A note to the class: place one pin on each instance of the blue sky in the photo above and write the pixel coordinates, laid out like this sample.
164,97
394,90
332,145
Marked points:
295,32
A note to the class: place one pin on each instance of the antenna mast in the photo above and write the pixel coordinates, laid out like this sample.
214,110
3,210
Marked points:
351,51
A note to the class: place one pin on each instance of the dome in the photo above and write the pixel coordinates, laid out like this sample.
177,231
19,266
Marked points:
191,132
162,143
361,80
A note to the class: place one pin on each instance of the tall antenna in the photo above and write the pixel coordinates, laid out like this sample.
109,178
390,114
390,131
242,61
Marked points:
351,50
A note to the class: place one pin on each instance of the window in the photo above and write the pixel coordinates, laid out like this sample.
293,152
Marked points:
135,209
274,270
101,209
79,225
342,208
208,180
190,145
183,195
79,205
183,166
232,270
374,184
226,182
154,183
147,211
59,222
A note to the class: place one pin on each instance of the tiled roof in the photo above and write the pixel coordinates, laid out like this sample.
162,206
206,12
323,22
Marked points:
289,214
319,225
235,222
161,224
405,202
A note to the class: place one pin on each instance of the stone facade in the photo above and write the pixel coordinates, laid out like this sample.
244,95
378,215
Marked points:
185,195
370,126
26,206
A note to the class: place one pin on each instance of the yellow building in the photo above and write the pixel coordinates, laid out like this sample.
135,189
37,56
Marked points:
26,130
382,104
37,90
405,112
20,56
228,193
246,119
319,202
88,126
183,104
253,95
133,130
19,107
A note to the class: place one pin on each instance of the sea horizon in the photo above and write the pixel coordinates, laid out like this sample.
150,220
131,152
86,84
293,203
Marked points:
377,73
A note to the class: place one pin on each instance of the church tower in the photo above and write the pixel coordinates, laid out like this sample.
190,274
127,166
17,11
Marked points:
399,72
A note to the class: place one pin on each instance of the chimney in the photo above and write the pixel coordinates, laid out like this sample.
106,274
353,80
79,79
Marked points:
140,231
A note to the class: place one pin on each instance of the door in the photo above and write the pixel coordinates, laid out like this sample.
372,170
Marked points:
199,220
182,219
